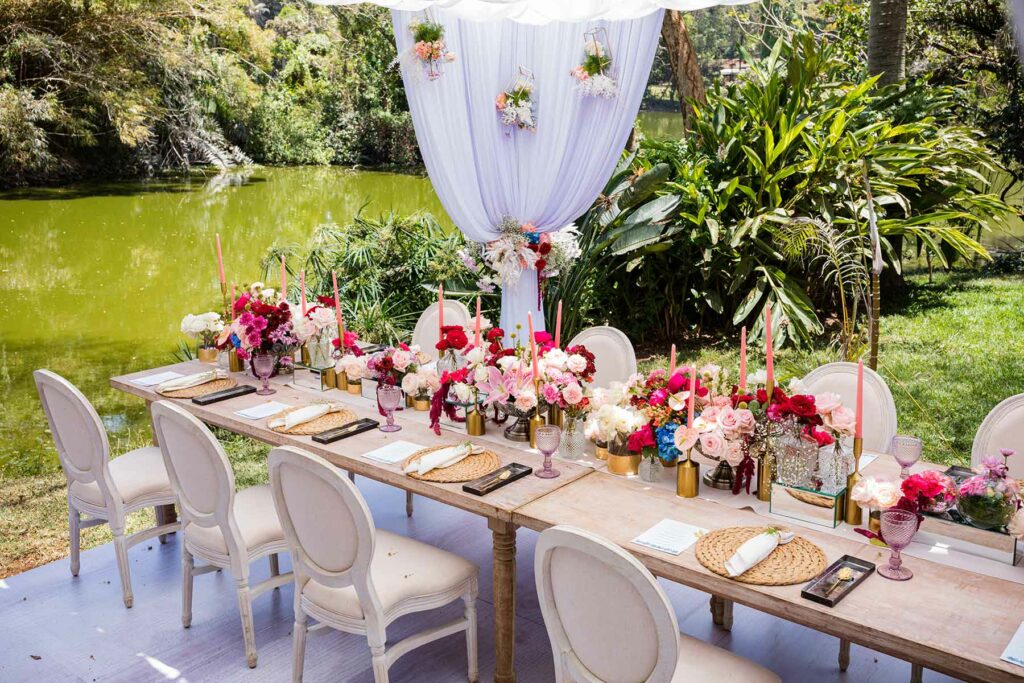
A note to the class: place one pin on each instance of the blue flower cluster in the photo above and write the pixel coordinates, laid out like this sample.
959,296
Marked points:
532,237
665,436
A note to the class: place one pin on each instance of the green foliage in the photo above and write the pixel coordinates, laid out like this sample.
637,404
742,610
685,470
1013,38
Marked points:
428,32
775,162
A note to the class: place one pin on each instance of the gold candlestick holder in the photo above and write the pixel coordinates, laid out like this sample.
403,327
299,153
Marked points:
537,420
687,478
234,362
854,515
764,477
476,425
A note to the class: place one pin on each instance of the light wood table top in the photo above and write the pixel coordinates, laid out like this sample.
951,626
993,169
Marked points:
947,619
346,453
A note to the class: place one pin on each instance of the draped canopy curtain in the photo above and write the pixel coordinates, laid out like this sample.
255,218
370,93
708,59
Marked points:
483,171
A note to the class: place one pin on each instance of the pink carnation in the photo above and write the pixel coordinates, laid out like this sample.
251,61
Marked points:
573,394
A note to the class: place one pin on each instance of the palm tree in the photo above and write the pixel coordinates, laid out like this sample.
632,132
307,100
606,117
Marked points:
887,40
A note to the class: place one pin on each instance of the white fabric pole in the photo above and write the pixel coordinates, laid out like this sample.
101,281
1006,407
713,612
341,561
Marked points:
483,171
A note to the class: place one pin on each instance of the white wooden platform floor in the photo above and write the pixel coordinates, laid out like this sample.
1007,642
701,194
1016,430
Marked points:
57,628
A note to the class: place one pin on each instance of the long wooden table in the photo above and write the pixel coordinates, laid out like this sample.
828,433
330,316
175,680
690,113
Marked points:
497,508
947,619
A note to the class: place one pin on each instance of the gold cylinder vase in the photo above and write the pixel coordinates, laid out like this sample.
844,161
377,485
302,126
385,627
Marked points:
354,386
421,404
536,421
207,354
853,515
601,450
234,362
341,381
687,478
875,521
556,416
621,461
331,378
476,425
764,477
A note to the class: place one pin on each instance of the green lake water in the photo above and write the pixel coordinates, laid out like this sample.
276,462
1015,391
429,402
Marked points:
95,278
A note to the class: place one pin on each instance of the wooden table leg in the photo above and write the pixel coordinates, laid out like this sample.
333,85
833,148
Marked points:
504,538
165,514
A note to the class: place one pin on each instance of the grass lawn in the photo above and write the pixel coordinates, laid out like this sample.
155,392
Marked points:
950,352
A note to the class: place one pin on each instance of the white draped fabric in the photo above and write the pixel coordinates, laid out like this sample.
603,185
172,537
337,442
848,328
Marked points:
483,171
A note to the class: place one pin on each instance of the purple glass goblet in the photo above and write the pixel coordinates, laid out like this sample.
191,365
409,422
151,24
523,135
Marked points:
389,397
548,437
263,365
898,529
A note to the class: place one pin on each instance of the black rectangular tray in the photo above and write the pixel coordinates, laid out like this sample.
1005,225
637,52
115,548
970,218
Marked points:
224,394
866,570
346,430
493,481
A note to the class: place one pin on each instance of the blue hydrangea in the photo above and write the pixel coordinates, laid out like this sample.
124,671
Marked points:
665,436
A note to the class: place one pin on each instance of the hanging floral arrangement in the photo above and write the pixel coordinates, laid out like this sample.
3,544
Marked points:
521,248
429,49
515,103
593,74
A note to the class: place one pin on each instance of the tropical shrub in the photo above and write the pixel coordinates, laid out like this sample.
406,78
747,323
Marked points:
765,201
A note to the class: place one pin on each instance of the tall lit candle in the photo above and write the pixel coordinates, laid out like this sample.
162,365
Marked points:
533,345
220,262
440,312
558,326
768,350
859,428
693,394
337,311
672,361
743,358
302,290
476,338
284,280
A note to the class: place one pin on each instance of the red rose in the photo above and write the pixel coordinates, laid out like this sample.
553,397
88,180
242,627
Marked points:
640,439
762,396
327,301
822,437
545,247
541,264
457,338
802,405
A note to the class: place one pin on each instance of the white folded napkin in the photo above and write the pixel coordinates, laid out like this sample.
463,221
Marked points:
755,550
189,381
443,457
304,415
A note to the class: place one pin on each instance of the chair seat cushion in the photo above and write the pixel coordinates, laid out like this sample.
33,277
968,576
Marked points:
137,475
255,516
700,661
402,569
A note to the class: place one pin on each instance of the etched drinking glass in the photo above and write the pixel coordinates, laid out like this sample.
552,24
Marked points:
898,529
389,396
263,365
907,451
548,438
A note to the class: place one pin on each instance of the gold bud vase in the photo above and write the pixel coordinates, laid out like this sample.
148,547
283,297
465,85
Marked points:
476,425
687,478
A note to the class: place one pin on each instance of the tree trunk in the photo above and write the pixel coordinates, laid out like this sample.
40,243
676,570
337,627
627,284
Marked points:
686,73
887,40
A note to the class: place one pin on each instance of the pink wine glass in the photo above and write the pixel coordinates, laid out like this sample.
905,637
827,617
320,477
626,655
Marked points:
898,528
548,438
907,451
389,397
263,365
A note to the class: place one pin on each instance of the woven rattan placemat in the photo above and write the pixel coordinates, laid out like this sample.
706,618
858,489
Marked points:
320,424
798,561
468,469
200,389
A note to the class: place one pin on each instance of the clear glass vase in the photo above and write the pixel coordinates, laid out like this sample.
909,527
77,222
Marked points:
796,458
573,446
834,466
320,350
650,469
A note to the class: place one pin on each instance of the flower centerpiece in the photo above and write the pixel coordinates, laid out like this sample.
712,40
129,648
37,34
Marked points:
616,424
430,48
515,104
204,327
930,491
989,499
453,341
354,366
421,384
565,379
317,330
262,325
593,73
876,495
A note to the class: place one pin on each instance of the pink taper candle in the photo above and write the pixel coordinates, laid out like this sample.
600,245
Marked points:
220,261
476,337
302,290
440,312
672,361
234,298
558,326
859,428
533,345
284,280
693,394
769,352
337,311
743,358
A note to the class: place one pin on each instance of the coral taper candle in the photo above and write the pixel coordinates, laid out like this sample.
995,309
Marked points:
533,345
337,311
284,280
440,312
476,338
220,261
743,358
672,361
859,429
558,326
768,350
302,290
693,393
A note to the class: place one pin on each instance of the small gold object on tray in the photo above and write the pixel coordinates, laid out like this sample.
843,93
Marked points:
327,421
200,389
469,468
798,561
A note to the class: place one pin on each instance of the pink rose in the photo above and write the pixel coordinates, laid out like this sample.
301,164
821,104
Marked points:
745,421
401,359
550,392
712,444
572,394
729,422
842,421
722,401
733,453
827,402
711,414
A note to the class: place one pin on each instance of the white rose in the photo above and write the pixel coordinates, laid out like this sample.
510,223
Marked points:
576,363
759,377
463,392
476,355
556,358
411,384
797,386
506,362
480,375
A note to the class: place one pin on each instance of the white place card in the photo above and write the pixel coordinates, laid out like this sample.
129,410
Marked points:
262,410
1014,652
866,459
670,536
393,452
159,378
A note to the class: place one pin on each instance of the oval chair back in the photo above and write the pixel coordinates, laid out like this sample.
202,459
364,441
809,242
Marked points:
598,603
1003,427
426,330
879,407
614,357
78,434
200,475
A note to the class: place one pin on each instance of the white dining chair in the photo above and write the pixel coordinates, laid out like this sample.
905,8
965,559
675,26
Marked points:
599,602
425,333
1003,427
879,406
351,577
614,357
225,529
105,490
